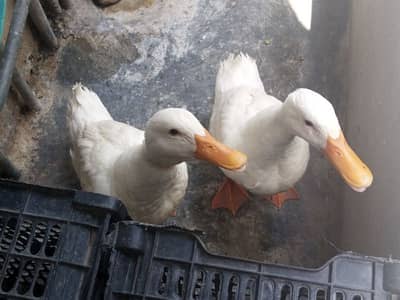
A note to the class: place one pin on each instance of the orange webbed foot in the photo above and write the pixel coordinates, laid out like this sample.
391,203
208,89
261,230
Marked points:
230,196
279,198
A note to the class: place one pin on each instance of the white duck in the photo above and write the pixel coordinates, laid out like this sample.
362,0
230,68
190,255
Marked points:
275,136
146,170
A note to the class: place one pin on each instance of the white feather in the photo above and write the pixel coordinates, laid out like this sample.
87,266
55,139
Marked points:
246,118
109,158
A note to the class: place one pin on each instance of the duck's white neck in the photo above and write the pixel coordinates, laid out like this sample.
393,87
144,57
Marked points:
134,172
139,170
149,163
268,131
157,159
148,190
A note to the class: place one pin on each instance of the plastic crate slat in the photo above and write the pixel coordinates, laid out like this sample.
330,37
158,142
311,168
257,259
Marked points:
10,279
9,231
89,285
12,245
19,279
23,277
147,281
140,296
157,262
172,264
136,272
347,288
48,259
342,276
40,236
60,220
93,200
55,239
26,228
177,260
231,269
17,296
189,282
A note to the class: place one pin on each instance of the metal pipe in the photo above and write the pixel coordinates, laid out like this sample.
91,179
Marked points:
7,60
29,99
66,4
42,24
7,169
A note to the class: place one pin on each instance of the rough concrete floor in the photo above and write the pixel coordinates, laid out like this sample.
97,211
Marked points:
141,56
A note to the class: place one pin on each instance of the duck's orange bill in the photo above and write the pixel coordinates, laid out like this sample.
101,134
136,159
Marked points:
357,175
209,149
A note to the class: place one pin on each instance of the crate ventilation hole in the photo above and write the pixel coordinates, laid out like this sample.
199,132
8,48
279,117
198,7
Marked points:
28,278
40,237
8,232
181,286
162,288
27,229
198,285
339,296
25,232
30,274
303,294
321,295
216,281
233,288
2,261
285,292
250,290
216,286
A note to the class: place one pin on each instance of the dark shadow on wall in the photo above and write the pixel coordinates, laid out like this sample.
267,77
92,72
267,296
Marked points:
329,50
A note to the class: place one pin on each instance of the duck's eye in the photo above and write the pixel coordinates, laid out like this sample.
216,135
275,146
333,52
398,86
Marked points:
309,123
173,132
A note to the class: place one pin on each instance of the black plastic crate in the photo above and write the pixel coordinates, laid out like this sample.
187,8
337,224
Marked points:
50,241
153,262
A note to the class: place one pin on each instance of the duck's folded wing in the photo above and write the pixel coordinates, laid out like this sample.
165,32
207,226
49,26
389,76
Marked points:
96,150
239,95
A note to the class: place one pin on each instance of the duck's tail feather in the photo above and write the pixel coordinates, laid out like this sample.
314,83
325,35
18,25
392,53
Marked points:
84,107
238,71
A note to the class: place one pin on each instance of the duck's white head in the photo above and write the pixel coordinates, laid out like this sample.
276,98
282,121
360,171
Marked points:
312,117
174,135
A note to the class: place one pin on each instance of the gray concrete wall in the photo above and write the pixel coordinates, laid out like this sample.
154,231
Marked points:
371,220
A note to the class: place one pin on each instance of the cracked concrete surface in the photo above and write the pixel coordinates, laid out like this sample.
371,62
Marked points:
144,55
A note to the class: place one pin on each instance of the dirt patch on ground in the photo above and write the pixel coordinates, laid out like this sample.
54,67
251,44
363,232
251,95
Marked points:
21,130
94,57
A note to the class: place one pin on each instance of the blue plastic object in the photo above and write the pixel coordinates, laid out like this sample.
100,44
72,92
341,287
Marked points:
3,6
